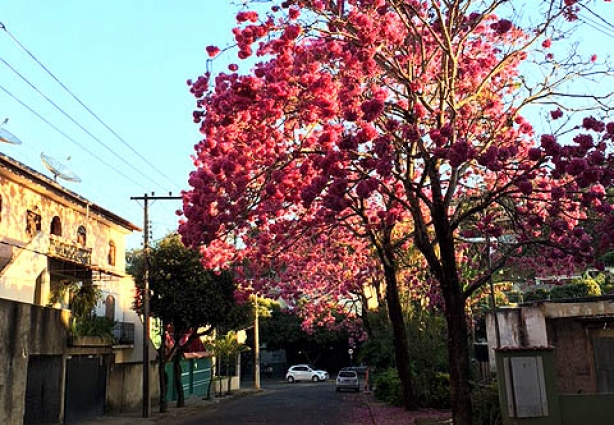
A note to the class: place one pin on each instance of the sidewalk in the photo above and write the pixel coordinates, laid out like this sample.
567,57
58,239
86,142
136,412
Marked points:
193,405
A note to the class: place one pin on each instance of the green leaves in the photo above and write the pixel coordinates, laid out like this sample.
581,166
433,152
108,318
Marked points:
183,293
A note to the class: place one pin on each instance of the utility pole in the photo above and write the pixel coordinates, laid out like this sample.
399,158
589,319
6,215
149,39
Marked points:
256,346
146,328
493,301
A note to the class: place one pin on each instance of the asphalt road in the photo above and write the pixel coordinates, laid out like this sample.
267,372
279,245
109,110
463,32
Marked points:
281,403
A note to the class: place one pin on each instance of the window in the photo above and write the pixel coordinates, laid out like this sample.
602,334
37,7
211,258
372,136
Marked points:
56,226
112,252
109,311
81,236
33,222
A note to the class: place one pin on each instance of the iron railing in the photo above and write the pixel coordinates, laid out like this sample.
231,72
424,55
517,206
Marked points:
123,333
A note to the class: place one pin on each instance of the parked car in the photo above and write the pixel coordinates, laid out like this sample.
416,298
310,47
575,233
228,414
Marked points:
347,379
360,370
303,372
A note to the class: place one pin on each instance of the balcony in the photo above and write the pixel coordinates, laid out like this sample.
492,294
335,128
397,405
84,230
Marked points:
123,333
64,249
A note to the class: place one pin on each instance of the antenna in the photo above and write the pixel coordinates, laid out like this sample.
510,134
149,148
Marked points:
6,136
59,169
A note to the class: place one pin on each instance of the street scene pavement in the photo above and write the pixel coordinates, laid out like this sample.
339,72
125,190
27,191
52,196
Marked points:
276,403
281,403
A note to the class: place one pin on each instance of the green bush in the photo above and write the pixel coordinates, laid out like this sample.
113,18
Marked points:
436,391
580,289
514,297
485,400
536,295
388,387
94,326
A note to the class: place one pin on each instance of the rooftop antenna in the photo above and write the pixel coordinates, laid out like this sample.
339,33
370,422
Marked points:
59,169
6,136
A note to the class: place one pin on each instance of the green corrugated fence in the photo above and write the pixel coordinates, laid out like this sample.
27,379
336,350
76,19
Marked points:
195,377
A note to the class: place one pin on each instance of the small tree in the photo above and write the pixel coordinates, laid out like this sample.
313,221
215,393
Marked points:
188,299
226,350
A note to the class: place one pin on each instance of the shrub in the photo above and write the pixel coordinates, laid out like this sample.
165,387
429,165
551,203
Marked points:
388,387
486,409
437,394
536,295
94,326
580,289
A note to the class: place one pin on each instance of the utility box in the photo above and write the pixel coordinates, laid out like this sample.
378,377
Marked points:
527,387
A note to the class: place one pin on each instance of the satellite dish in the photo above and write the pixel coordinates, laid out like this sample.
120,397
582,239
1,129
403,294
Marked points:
59,169
6,136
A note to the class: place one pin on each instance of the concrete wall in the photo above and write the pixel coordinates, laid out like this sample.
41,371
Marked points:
25,330
125,387
574,360
509,330
580,409
535,332
18,279
555,310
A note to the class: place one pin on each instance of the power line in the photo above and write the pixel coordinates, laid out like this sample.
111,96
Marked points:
121,139
85,130
46,121
599,17
597,27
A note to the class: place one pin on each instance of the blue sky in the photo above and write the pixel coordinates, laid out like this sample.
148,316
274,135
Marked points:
128,61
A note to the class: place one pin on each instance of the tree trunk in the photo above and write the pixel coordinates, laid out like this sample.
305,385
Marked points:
162,375
401,351
458,355
177,378
211,378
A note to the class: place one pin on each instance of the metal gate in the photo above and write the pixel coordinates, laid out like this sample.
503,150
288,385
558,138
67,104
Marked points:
43,390
85,388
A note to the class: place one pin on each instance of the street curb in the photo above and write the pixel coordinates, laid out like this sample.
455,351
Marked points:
192,406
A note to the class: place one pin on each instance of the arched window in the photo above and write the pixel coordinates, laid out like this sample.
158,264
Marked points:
33,222
81,236
56,226
109,307
112,253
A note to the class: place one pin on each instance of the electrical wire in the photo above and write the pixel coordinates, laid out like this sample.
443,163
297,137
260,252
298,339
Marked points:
121,139
46,121
597,27
85,130
599,17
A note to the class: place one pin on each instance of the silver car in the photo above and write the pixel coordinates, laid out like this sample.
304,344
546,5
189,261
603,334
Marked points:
347,379
303,372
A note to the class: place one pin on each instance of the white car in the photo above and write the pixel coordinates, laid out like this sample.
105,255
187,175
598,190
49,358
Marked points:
303,372
347,379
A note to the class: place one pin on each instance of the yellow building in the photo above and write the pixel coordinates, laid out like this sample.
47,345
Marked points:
52,239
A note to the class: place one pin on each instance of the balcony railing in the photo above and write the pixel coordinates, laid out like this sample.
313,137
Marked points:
123,333
67,250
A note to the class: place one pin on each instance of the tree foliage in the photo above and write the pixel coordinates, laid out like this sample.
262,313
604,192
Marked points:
187,298
373,126
185,295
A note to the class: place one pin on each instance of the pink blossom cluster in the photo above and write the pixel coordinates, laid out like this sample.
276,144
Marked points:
344,147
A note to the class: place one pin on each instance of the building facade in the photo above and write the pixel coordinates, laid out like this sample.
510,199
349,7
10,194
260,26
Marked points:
52,241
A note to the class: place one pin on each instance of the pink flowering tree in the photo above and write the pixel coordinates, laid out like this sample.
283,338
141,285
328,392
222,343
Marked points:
374,128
